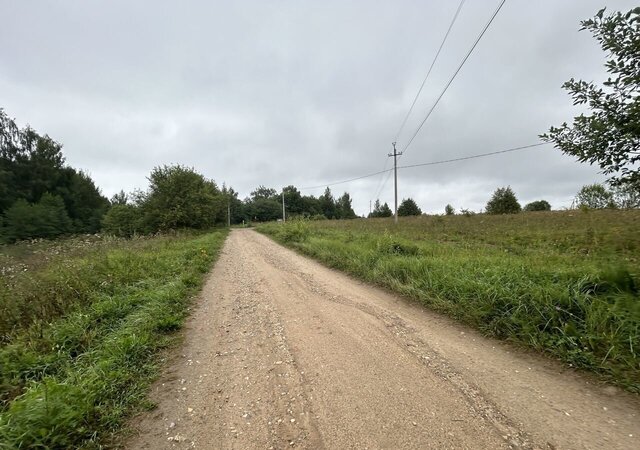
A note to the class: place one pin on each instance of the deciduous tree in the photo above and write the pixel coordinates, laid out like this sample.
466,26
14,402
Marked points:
610,135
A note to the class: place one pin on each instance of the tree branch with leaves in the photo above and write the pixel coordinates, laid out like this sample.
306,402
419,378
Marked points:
610,135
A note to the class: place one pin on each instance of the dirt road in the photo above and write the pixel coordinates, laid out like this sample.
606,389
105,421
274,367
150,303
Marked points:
281,352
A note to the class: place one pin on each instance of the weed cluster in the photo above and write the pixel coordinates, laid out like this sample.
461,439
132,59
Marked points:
295,230
562,282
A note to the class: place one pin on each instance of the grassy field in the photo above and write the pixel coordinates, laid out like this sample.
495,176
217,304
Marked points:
566,283
83,324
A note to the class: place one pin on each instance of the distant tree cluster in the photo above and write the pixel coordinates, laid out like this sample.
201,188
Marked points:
408,207
380,210
265,204
177,197
40,196
503,201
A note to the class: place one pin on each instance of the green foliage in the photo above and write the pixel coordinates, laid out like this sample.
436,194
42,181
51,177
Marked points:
32,165
561,282
343,207
73,373
392,245
293,231
626,196
45,219
538,205
327,204
467,212
120,198
610,136
380,210
503,201
123,220
311,206
449,211
293,201
83,202
408,207
264,209
265,205
594,196
264,193
180,197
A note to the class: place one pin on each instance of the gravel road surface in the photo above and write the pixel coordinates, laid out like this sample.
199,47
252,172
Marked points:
281,352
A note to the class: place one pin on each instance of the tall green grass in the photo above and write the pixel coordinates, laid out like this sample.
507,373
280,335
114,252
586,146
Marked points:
71,374
566,283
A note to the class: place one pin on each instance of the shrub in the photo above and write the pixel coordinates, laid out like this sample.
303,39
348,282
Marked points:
45,219
294,231
539,205
503,201
408,207
594,196
449,211
122,220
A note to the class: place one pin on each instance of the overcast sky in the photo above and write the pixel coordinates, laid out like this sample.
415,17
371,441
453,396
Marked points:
304,92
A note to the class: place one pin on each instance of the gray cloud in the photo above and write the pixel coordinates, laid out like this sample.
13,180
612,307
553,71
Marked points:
303,93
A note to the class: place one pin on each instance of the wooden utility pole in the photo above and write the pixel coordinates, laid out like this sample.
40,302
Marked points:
395,155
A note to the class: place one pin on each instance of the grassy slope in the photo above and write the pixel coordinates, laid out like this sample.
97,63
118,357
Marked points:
562,282
89,340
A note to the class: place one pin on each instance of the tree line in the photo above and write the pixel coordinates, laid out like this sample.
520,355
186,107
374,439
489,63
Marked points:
40,196
43,197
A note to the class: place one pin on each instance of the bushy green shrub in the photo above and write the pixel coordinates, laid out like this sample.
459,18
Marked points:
122,220
45,219
503,201
538,205
294,231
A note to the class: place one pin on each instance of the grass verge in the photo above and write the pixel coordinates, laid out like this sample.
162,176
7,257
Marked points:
71,380
566,283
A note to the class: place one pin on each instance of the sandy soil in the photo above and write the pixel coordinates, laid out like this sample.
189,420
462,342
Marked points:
282,352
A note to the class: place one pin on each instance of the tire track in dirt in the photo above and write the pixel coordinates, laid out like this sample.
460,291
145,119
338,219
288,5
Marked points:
281,352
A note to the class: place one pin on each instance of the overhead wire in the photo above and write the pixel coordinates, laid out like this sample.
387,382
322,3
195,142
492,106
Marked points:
432,163
383,184
345,181
378,186
481,155
464,60
435,58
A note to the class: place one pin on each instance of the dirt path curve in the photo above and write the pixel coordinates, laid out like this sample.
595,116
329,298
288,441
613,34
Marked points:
282,352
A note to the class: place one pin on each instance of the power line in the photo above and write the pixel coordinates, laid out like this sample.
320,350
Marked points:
464,60
435,58
384,184
345,181
378,186
481,155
